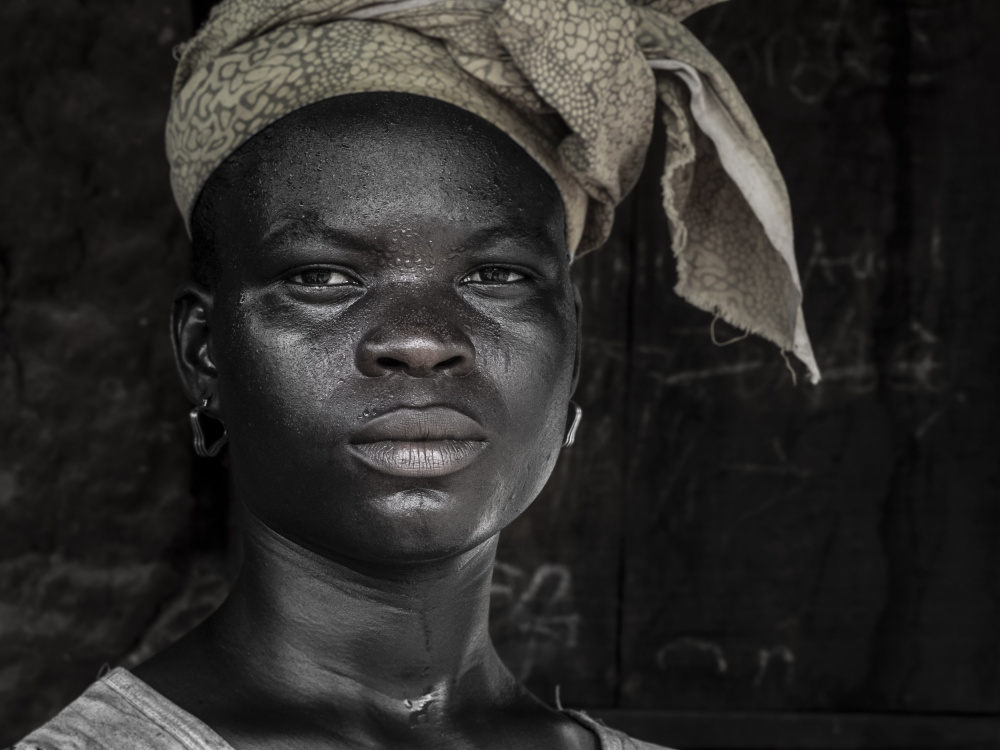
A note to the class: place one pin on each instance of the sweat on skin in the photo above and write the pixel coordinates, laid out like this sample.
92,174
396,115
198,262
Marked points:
361,613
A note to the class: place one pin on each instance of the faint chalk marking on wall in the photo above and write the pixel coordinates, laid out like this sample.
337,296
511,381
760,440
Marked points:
688,645
536,620
783,467
766,656
504,589
691,376
861,264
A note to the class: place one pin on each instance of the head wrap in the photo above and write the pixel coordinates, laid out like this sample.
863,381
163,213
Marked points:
574,82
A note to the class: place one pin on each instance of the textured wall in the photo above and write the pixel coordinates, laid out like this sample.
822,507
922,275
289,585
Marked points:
96,531
747,545
834,548
717,540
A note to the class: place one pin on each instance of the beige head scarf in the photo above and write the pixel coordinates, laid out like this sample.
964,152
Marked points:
574,82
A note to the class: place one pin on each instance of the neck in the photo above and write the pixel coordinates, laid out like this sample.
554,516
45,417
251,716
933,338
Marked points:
411,642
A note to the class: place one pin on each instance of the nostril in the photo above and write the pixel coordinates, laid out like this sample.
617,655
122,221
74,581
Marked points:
450,364
390,363
417,355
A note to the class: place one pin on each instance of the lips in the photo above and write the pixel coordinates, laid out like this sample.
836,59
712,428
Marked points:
429,442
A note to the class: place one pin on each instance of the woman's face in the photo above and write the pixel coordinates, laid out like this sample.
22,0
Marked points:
393,336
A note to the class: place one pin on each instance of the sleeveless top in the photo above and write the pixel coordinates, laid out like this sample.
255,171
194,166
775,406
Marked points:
121,712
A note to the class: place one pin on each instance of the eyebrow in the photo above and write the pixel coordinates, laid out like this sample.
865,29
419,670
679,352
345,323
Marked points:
288,229
489,237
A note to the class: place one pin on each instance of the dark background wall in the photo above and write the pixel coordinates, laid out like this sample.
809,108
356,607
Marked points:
724,559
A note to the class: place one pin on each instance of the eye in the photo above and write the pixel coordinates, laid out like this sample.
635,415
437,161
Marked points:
320,277
494,275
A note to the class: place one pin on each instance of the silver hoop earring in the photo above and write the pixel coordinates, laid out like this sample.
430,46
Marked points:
577,417
199,436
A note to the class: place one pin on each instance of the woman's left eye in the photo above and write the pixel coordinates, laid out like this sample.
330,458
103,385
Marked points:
320,277
494,275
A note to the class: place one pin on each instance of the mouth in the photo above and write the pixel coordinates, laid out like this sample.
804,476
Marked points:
429,442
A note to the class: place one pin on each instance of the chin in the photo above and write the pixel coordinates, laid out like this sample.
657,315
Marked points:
424,525
418,502
400,528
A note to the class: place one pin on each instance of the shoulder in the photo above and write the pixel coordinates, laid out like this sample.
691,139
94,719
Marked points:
119,712
612,739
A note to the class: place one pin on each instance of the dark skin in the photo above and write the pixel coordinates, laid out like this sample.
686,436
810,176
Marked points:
391,341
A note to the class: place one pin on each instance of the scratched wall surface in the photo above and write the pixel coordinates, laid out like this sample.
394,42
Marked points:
717,540
98,534
833,548
782,548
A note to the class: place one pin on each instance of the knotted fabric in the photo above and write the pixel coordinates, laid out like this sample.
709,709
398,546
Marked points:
574,82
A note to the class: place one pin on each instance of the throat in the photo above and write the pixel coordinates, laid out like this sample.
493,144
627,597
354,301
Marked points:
411,647
309,652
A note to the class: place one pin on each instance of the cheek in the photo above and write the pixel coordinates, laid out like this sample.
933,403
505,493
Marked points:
536,360
278,374
534,371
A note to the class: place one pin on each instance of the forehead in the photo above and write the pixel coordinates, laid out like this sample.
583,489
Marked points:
373,162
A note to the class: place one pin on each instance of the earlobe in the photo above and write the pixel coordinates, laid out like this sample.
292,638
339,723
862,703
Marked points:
191,335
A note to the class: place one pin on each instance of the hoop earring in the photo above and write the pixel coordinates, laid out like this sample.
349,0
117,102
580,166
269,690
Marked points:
199,436
577,417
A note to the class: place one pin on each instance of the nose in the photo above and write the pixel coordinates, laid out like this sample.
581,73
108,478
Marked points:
422,346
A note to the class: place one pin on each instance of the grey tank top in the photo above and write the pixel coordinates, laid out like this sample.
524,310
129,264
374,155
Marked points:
121,712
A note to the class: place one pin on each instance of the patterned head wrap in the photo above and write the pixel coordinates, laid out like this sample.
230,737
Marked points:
574,82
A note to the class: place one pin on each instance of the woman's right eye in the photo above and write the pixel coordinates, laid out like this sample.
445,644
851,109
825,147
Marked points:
320,277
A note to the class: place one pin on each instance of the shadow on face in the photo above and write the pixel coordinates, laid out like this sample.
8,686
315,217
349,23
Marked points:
386,325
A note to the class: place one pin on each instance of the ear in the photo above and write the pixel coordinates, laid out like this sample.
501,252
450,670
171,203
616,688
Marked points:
191,333
578,304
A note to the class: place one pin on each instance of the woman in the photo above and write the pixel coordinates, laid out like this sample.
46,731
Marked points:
384,200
